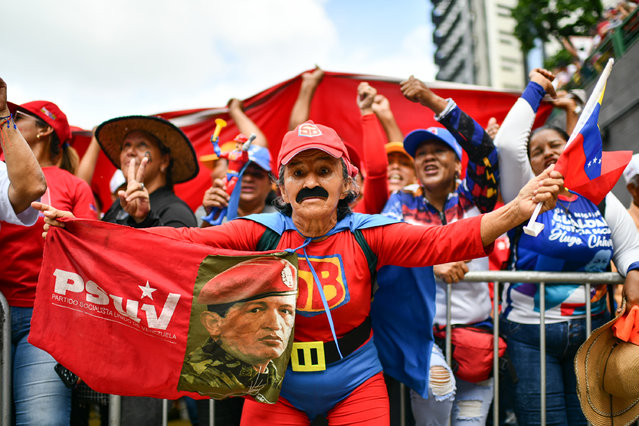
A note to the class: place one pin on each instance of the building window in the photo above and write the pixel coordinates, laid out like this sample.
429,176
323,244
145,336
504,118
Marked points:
511,60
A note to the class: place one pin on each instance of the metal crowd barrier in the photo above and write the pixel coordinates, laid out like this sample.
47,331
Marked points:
5,362
542,278
497,277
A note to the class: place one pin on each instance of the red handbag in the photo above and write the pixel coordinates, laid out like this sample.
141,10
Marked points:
472,350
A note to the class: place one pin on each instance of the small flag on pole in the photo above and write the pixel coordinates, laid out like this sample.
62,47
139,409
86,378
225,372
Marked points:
587,169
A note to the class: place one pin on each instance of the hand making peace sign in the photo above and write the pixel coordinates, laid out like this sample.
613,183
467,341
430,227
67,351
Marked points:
135,200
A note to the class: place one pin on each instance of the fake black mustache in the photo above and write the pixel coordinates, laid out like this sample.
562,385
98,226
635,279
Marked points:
317,191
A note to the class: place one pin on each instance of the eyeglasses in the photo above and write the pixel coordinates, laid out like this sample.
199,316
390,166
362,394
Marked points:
19,115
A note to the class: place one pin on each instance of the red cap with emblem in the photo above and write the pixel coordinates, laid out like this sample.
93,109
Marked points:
249,280
309,135
48,112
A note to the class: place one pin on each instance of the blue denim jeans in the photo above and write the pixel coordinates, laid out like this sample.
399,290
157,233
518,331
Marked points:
562,341
40,397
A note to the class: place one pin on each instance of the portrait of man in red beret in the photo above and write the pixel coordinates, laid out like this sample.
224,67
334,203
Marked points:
249,317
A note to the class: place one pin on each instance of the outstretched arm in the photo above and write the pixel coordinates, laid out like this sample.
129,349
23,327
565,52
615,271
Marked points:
245,124
468,238
482,174
26,180
416,91
302,106
375,161
512,138
571,106
544,188
382,109
89,160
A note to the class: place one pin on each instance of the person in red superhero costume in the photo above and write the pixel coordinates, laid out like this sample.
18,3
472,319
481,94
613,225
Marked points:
334,367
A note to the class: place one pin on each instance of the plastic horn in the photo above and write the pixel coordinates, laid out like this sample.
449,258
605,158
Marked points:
534,228
248,143
219,125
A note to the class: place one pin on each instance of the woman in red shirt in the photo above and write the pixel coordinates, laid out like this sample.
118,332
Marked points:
39,396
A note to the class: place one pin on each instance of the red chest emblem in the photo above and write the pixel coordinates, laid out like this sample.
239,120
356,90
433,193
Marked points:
330,271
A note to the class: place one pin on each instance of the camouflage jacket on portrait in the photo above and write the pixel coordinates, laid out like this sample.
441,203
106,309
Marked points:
211,371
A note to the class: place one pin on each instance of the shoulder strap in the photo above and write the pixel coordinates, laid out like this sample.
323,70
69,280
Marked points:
371,257
268,240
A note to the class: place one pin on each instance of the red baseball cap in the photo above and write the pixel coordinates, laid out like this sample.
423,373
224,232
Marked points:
249,280
309,135
48,112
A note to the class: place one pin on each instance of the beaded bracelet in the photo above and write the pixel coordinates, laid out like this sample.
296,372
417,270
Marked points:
8,119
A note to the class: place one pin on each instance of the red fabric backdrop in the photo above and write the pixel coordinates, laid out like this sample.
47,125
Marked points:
334,105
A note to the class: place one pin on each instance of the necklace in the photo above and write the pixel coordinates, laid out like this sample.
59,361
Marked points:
564,207
569,214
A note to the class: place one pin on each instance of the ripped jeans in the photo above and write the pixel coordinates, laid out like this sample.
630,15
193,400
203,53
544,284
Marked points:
464,403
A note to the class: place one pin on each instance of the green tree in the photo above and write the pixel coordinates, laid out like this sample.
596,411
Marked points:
554,19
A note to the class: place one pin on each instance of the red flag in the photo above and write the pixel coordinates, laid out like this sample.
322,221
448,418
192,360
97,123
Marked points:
587,169
115,305
334,105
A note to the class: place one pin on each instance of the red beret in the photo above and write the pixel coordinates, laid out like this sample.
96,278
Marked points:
252,279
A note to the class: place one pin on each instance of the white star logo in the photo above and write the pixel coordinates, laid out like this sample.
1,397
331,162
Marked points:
147,291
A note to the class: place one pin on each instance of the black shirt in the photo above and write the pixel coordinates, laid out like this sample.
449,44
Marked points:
167,209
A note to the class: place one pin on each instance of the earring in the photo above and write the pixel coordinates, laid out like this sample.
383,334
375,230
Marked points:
38,136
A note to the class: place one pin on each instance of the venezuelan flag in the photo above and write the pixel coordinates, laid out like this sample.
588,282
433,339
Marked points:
586,168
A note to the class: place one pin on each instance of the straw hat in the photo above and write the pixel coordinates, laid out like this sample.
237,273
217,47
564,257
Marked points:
111,133
607,370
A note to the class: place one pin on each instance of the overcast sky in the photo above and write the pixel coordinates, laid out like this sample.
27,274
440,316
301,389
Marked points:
100,59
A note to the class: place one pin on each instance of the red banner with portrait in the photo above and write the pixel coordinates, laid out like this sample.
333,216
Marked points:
138,314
